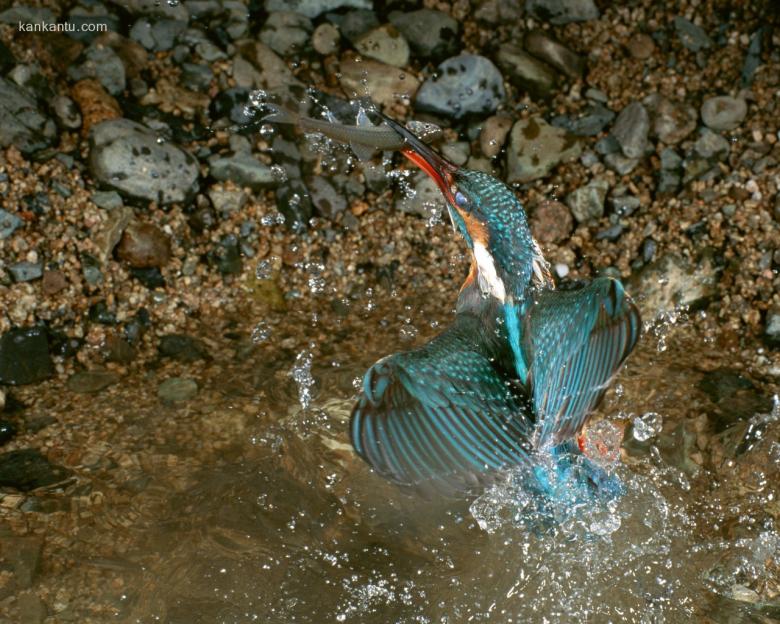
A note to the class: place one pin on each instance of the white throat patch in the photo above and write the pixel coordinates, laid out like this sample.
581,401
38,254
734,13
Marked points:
489,281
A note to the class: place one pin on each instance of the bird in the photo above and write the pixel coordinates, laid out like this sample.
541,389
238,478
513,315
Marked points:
516,373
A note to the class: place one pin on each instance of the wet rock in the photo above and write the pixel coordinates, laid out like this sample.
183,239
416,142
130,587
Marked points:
426,199
587,202
90,382
772,328
110,232
27,469
27,15
463,84
102,64
723,112
535,148
690,35
621,164
670,159
711,145
144,245
67,112
562,11
7,431
227,200
671,122
294,203
23,125
327,201
631,129
384,44
244,170
183,348
493,134
590,122
431,34
177,390
641,46
551,222
325,39
354,23
286,33
24,356
528,73
26,271
195,76
547,49
132,159
672,281
384,84
9,223
313,8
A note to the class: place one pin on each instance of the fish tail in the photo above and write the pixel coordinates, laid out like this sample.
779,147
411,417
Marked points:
281,115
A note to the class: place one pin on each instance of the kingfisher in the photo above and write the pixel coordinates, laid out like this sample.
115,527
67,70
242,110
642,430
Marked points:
519,369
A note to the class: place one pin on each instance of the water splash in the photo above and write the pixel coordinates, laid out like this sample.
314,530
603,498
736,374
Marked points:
261,332
301,373
647,426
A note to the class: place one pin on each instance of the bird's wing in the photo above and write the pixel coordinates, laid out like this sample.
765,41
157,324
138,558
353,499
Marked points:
574,342
440,416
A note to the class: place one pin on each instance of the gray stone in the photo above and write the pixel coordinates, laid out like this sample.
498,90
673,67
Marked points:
497,12
528,73
590,122
27,15
425,199
195,76
226,200
621,164
457,152
325,39
562,11
535,148
25,470
587,202
431,34
91,382
723,112
155,8
236,20
286,33
668,182
23,125
102,64
772,328
711,145
327,201
313,8
157,35
244,170
607,145
67,112
24,356
8,223
177,390
624,205
272,73
110,232
463,84
354,23
544,47
671,122
670,159
384,44
132,159
691,36
107,200
384,84
631,129
493,134
26,271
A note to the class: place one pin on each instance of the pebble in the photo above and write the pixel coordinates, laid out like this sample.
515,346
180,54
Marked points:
457,152
24,126
7,431
325,39
528,73
544,47
286,33
158,35
107,200
144,245
690,35
132,159
354,23
711,145
244,170
551,222
587,202
671,122
431,34
269,71
26,271
535,148
177,390
183,347
384,84
590,122
27,469
426,199
196,76
670,159
9,223
493,134
24,356
641,46
109,233
621,164
723,112
67,112
327,201
102,64
384,44
631,129
226,201
772,328
95,103
313,8
462,85
624,205
90,382
562,11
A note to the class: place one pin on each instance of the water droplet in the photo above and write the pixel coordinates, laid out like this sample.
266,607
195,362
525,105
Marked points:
301,373
264,270
261,332
647,426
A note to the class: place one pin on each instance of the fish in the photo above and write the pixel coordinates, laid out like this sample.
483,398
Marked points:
364,138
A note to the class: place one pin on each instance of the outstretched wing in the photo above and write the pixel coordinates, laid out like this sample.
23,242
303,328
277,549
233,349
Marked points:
441,416
574,342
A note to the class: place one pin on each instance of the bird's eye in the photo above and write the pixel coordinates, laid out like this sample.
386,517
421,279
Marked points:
460,199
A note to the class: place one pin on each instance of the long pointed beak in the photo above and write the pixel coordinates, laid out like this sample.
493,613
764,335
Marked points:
439,168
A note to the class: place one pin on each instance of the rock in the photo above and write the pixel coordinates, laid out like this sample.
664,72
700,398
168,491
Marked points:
562,11
7,60
226,200
671,122
155,8
294,203
535,148
735,397
157,35
587,202
551,222
354,23
671,282
462,85
90,382
27,469
183,348
723,112
547,49
23,126
384,84
384,44
327,201
325,39
641,46
772,328
102,64
457,152
24,356
624,205
622,165
9,223
177,390
20,558
432,35
590,122
110,231
286,33
67,112
493,134
196,76
134,160
711,145
244,170
525,71
425,200
26,271
631,129
668,182
670,159
272,73
313,8
497,12
235,104
7,431
27,15
95,103
690,35
749,67
144,245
